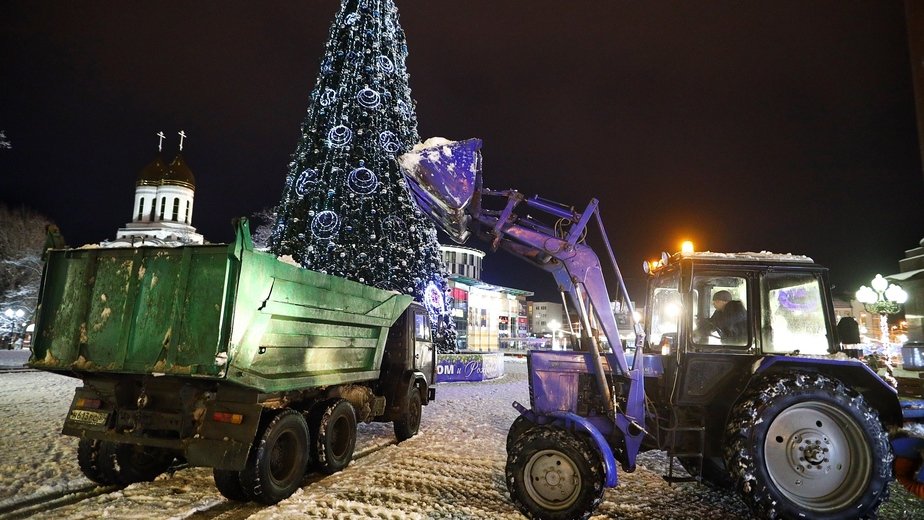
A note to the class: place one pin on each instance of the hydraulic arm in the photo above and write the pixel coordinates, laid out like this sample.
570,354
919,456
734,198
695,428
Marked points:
446,181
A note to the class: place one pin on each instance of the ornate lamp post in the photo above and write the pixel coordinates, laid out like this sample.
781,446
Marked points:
12,316
883,299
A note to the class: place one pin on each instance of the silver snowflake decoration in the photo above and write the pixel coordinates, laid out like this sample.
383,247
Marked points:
389,142
329,96
308,177
394,228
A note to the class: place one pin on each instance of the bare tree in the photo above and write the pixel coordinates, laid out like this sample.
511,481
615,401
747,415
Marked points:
22,238
261,226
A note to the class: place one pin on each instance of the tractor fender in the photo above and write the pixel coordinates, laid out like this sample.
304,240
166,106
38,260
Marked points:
573,421
855,374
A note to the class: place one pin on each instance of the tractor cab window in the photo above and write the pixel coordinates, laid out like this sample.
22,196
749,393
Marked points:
665,311
421,327
720,315
793,315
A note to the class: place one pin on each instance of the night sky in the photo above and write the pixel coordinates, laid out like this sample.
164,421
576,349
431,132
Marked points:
740,125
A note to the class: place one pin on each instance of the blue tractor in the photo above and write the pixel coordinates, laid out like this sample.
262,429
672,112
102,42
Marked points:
736,375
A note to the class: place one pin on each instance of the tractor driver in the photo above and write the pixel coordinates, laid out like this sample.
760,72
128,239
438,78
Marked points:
729,320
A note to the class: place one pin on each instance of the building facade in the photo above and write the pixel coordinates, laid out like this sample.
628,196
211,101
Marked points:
487,317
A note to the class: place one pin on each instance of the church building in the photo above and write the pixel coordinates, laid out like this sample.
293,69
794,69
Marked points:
163,208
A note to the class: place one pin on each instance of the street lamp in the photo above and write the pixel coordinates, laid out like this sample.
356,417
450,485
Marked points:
12,317
554,325
883,299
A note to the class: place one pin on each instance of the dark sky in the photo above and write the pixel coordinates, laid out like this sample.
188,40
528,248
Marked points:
742,125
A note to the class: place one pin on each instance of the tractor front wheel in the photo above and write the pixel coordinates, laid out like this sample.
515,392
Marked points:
554,474
803,445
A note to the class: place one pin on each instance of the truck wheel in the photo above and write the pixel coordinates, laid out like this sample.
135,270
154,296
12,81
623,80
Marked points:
409,424
803,445
229,485
91,460
333,435
554,475
140,463
278,459
520,425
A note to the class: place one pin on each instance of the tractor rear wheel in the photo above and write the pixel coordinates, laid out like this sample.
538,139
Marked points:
803,445
554,474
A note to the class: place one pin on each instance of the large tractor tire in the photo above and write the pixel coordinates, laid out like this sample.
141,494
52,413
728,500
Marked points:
92,458
520,425
803,445
278,459
408,424
554,474
333,435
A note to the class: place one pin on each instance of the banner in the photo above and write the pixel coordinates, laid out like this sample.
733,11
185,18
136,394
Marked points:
469,367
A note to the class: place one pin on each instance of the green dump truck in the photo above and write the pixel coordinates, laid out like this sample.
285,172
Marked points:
228,358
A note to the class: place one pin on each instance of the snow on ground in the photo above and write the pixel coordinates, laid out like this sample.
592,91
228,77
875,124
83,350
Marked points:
454,469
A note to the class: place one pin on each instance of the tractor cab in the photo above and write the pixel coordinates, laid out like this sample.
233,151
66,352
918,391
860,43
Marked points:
745,304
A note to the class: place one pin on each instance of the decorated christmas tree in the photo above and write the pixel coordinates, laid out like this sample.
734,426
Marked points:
345,208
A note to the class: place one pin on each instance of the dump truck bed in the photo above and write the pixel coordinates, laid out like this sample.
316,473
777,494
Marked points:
212,311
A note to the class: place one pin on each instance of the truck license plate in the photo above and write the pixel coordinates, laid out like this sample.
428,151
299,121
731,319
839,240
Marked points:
88,417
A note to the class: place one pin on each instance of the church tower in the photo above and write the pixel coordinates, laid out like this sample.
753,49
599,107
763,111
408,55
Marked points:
163,208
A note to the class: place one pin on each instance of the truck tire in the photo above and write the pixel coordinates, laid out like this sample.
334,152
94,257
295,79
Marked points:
278,459
803,445
140,463
91,461
408,424
553,474
229,485
333,435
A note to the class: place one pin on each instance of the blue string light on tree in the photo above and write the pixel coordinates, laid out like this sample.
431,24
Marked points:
386,65
368,98
362,181
394,228
434,301
339,135
325,225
